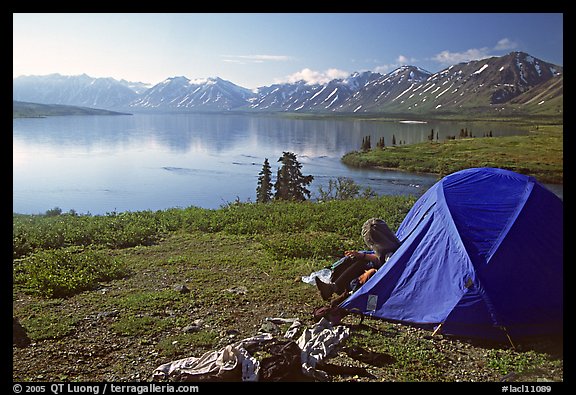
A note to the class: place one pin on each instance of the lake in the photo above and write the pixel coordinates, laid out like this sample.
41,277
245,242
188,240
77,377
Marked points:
100,164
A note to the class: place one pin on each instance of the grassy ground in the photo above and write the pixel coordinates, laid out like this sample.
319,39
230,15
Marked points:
540,154
242,264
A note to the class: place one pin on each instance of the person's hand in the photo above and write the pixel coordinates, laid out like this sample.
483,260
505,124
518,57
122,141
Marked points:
354,254
349,254
367,274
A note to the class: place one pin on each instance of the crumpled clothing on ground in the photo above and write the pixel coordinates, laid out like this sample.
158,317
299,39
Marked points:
228,364
233,362
283,364
290,332
317,343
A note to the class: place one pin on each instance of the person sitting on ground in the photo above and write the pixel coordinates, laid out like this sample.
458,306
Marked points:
359,266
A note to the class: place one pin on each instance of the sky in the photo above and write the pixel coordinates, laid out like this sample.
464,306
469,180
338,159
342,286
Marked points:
261,49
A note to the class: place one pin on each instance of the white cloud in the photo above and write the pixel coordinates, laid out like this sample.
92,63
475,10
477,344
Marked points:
313,77
336,73
244,59
405,60
385,68
505,44
401,60
449,58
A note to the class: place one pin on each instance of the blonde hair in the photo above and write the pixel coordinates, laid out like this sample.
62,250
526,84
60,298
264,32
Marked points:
378,237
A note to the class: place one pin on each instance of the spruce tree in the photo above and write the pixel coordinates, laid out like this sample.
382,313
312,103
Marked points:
290,183
264,188
366,144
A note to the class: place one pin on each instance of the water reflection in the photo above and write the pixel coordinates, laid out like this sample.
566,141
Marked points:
222,133
99,164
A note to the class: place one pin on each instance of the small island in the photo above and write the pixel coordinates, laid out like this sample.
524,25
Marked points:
36,110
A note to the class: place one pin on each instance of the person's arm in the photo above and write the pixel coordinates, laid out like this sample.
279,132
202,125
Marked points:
370,257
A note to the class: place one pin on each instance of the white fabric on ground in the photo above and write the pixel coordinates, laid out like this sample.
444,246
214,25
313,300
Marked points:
290,332
317,343
216,364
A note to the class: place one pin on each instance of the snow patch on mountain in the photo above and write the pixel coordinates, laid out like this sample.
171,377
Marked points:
484,82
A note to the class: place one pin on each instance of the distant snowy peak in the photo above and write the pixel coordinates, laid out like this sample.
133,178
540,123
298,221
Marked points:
229,87
477,84
357,80
137,87
214,94
282,97
499,78
410,73
78,90
305,97
378,92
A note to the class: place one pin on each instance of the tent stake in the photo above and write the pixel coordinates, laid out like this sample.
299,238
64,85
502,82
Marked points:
508,336
437,329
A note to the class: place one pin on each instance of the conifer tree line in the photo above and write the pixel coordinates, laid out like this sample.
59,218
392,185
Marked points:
290,183
381,144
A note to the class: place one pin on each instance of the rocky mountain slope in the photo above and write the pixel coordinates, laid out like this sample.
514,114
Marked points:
516,82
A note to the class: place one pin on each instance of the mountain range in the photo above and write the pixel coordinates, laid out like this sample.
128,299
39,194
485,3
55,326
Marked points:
514,83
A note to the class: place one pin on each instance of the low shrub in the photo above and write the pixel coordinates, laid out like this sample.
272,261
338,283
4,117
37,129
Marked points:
66,271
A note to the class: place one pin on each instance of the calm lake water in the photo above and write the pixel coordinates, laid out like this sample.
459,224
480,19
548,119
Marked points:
100,164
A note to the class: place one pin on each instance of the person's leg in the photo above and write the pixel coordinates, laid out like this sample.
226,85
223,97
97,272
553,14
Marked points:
340,280
352,271
326,289
344,264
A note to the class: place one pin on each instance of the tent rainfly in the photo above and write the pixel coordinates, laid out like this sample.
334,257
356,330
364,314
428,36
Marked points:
481,257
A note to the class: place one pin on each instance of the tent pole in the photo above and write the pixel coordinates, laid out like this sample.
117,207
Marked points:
437,329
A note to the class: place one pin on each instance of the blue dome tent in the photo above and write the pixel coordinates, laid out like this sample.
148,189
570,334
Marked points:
481,256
